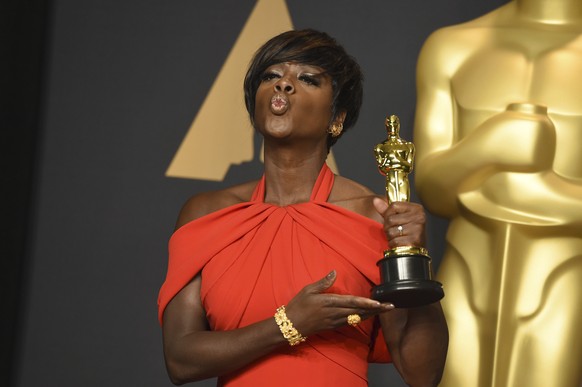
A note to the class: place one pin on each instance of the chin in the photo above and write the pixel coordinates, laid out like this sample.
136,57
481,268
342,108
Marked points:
277,129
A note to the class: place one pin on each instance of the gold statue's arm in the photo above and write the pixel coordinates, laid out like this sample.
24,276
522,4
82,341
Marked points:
381,157
409,162
384,160
434,129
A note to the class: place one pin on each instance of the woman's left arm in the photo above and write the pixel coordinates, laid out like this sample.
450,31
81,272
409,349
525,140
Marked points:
417,338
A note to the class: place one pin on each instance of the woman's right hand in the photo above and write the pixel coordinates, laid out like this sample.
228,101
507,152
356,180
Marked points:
312,310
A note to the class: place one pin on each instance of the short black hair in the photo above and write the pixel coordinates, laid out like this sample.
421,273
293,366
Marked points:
315,48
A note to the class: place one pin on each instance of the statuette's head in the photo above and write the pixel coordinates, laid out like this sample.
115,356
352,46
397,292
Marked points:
392,124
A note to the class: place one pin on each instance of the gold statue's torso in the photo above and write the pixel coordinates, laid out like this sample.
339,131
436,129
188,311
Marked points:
521,64
510,181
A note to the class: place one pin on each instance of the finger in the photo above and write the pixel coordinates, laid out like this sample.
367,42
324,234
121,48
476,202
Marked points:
409,234
323,284
349,302
401,229
396,215
364,314
397,208
410,208
410,218
380,205
371,311
400,206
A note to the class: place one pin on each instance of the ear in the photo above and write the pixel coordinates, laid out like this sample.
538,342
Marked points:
340,118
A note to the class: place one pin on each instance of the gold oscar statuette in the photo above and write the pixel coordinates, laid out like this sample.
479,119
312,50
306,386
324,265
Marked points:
405,271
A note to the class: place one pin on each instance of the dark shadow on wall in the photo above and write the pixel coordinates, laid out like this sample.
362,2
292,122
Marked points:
22,44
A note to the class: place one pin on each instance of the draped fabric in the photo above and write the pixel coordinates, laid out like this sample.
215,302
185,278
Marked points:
255,257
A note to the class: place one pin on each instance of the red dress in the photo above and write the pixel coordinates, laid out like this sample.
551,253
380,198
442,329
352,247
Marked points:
256,256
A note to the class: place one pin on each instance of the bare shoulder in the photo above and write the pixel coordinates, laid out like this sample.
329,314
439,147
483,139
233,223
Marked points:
355,197
207,202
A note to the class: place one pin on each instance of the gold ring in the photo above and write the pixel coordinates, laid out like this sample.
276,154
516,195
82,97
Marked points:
400,230
354,319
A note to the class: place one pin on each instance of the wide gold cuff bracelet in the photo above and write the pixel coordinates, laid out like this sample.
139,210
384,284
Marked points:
291,334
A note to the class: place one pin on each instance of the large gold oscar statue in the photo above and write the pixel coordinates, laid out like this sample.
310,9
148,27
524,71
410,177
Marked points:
498,135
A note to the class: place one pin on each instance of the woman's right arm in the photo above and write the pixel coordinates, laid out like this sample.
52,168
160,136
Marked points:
194,352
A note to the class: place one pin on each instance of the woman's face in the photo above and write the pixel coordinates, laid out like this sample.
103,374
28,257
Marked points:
294,101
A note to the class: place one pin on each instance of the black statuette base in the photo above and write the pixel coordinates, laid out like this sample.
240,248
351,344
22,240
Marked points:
406,281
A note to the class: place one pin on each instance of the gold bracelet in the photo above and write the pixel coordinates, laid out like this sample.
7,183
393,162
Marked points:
291,334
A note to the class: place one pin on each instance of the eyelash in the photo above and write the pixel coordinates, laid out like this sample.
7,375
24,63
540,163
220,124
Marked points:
308,79
268,76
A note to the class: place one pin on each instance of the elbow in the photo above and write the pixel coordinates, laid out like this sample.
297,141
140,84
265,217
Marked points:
430,382
429,377
424,363
176,374
176,382
180,374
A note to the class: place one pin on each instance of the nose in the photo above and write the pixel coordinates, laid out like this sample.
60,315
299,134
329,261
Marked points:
285,85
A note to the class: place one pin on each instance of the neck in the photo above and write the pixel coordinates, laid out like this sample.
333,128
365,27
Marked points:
289,177
551,11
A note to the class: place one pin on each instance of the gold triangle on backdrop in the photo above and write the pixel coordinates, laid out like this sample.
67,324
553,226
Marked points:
221,134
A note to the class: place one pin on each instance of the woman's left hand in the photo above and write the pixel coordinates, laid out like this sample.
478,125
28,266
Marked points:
404,223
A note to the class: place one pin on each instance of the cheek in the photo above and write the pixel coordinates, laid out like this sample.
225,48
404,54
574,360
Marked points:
321,110
323,105
260,106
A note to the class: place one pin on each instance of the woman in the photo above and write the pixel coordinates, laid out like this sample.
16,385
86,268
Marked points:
269,281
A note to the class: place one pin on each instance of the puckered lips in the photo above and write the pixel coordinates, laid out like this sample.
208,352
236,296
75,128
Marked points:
279,104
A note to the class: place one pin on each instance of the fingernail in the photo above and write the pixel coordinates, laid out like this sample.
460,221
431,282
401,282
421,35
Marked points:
331,275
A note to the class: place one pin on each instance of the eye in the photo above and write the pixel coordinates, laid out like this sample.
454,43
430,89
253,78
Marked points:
309,79
269,75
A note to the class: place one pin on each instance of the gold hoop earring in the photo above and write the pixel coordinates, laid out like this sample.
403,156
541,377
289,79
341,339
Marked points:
336,129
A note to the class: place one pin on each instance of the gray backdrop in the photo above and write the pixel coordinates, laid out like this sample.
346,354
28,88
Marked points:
123,82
